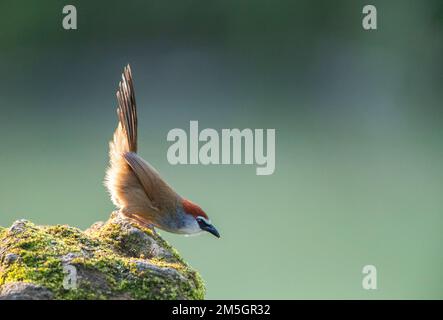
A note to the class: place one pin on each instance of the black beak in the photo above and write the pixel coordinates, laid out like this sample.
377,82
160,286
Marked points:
211,229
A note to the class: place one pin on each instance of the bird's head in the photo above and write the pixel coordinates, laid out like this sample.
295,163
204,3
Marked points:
199,218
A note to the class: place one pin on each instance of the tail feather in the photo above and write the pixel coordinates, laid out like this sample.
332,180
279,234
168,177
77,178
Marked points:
135,187
127,109
119,175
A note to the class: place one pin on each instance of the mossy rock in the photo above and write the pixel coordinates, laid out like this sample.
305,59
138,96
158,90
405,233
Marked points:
113,260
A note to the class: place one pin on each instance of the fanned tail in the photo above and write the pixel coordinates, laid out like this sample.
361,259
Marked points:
124,139
127,109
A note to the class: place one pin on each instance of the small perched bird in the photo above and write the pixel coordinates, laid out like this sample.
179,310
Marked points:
136,188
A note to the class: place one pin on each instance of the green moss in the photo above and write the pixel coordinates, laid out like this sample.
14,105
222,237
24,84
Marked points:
105,259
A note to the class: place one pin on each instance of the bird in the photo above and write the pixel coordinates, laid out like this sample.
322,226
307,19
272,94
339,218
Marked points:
136,187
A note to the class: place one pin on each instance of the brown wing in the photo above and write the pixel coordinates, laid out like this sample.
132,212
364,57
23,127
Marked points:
161,195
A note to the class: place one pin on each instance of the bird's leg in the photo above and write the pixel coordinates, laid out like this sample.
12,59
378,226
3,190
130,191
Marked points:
138,220
152,228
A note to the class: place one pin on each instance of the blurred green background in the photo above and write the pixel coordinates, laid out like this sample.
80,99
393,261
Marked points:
358,119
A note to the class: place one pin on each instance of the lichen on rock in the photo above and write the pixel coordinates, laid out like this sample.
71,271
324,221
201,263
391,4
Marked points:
114,260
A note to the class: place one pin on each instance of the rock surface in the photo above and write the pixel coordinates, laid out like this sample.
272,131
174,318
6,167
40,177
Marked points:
113,260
